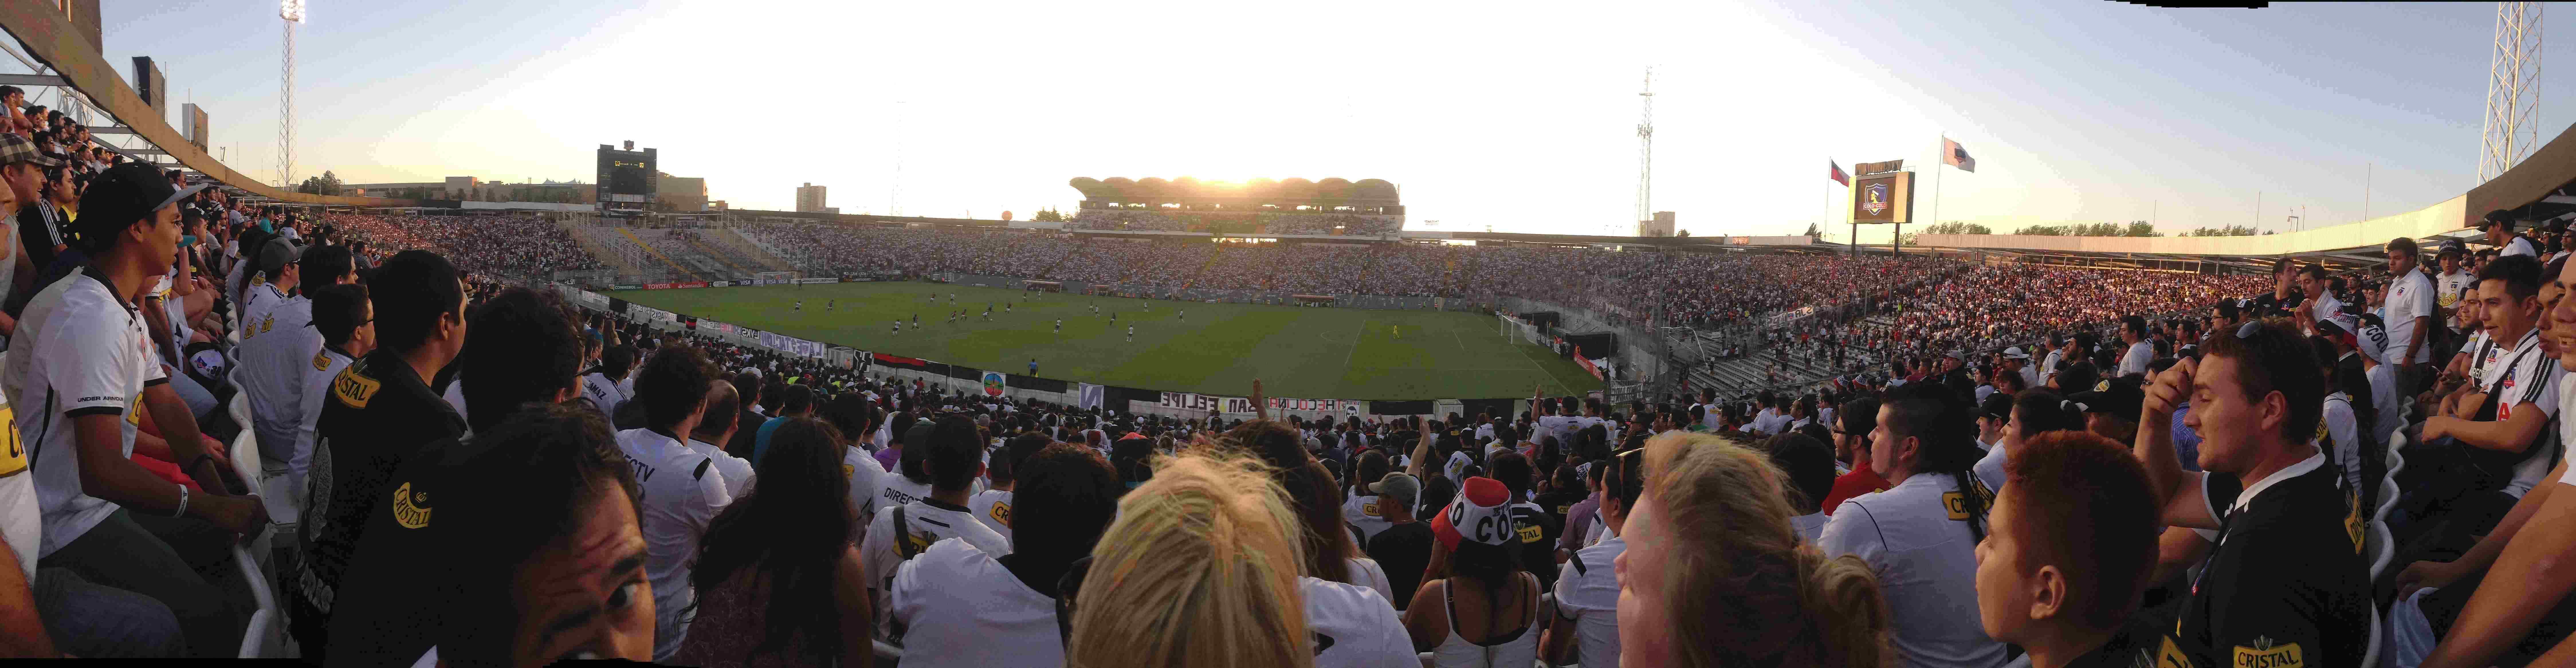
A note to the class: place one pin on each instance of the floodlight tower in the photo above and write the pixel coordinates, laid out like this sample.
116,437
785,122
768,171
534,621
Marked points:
2513,90
293,12
1646,156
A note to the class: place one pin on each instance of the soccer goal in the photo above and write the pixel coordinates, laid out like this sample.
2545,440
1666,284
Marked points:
775,277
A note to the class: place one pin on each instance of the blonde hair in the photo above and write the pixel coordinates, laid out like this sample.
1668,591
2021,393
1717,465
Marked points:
1739,588
1200,569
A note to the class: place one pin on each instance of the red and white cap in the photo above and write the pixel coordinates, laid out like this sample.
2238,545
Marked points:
1481,514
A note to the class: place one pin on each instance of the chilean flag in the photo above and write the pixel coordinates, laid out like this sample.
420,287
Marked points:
1838,176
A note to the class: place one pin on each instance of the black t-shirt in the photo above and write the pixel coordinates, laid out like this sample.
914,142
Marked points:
2265,305
2286,585
381,617
377,415
1403,551
1560,502
1538,533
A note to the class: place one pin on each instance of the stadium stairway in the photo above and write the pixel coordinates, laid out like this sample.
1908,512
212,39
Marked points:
599,248
720,257
649,250
744,248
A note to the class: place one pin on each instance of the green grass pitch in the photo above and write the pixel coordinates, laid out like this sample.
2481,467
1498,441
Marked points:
1302,353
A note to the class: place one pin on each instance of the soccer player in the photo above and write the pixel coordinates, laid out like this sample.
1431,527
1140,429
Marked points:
898,325
1131,332
916,318
830,305
1059,325
1185,314
800,306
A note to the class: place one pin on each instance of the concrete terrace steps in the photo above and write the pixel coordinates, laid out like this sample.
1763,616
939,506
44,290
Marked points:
649,250
733,239
598,250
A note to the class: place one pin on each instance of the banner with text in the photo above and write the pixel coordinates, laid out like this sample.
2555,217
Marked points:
1203,402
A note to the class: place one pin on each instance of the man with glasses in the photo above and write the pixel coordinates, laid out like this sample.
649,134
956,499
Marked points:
1851,445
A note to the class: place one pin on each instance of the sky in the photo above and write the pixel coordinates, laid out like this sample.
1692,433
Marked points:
1501,117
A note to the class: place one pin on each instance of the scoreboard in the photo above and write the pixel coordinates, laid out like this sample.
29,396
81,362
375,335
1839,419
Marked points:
628,178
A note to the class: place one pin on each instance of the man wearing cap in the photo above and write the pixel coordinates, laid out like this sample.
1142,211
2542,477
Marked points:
40,233
2499,229
2017,361
1403,548
277,356
2408,310
2110,412
2454,280
80,376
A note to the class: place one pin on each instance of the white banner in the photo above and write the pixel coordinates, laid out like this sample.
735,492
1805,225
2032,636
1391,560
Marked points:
723,284
811,281
1201,402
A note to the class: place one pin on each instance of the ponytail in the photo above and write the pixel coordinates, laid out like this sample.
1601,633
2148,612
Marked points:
1852,616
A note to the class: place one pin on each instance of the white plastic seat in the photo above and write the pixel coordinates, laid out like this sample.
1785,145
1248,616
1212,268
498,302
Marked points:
886,651
2378,635
261,637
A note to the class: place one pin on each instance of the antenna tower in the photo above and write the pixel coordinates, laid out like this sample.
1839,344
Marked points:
1646,156
293,12
2513,90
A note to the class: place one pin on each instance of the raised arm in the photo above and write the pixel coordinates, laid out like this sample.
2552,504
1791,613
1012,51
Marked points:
2177,491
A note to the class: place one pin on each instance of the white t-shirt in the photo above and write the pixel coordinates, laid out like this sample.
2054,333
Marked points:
894,490
2480,356
1587,591
1456,469
682,492
927,522
2339,424
1989,469
2520,245
1927,568
2448,288
79,350
2533,381
1368,574
2135,360
2324,307
735,470
1362,512
601,393
993,508
965,609
277,353
2384,396
21,520
1362,625
2409,297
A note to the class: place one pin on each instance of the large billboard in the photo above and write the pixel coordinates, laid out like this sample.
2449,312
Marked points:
627,177
1883,198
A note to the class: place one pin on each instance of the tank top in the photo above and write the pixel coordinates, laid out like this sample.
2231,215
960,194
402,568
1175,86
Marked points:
1518,649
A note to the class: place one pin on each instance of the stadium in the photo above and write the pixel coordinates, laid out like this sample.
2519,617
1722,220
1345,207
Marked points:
486,423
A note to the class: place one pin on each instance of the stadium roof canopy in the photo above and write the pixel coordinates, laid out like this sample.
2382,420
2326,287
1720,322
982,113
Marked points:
62,58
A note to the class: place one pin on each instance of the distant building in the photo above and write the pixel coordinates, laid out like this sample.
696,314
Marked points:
809,198
1660,226
682,193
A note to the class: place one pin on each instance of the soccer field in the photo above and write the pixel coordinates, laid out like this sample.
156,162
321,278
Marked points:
1304,353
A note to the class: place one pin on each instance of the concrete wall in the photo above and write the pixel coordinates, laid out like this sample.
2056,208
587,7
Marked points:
2417,224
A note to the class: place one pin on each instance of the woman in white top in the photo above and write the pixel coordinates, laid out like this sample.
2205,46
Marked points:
978,610
1482,610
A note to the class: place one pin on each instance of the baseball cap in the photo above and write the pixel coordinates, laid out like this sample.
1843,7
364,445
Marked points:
274,256
2453,247
15,149
1398,487
1481,509
2120,396
2015,353
2362,332
120,197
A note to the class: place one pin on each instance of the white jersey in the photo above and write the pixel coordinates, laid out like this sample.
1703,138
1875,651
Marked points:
736,471
2520,245
1926,564
2135,360
682,493
601,393
894,490
2531,383
327,365
78,350
277,354
1362,512
22,521
1361,625
993,508
867,484
925,523
1587,591
2409,297
1366,573
971,611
